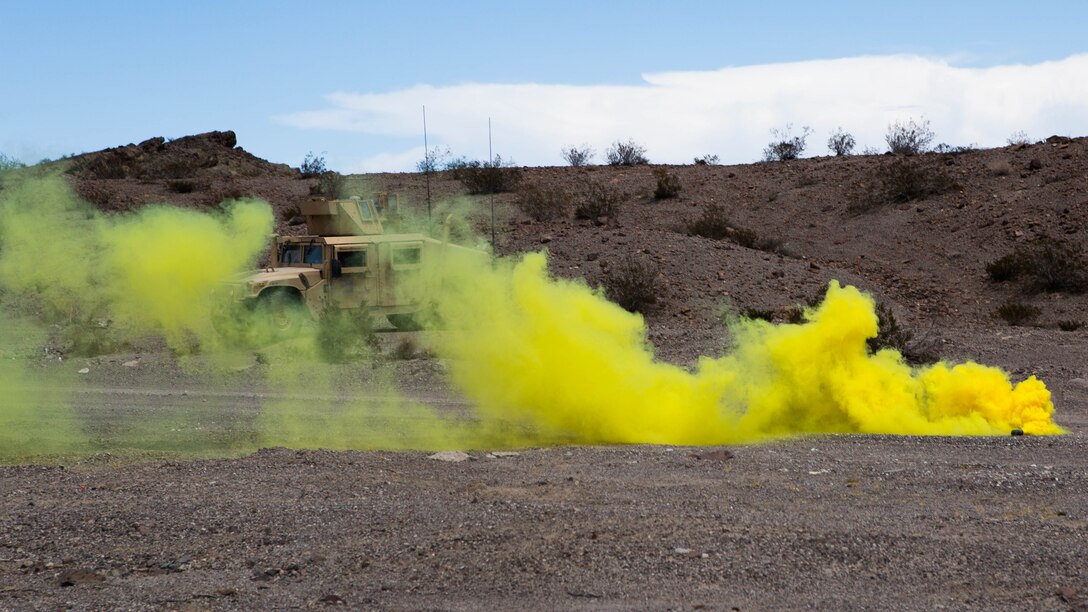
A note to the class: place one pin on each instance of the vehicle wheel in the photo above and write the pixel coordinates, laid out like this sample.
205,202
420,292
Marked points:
283,314
404,322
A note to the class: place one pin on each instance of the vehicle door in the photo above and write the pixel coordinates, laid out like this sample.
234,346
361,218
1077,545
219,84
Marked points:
403,269
354,280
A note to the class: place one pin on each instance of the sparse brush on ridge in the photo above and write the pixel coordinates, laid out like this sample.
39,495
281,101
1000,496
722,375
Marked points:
627,153
841,143
578,156
1046,264
494,176
909,138
543,202
633,284
785,146
313,165
668,184
707,160
1017,313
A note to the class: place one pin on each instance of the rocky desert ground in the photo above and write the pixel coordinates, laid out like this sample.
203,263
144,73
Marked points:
838,521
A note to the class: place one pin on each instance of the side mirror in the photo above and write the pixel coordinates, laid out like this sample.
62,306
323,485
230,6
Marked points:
337,270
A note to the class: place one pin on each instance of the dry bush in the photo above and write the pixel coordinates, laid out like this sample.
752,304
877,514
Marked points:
668,184
632,284
543,202
598,201
493,176
313,166
1017,313
329,185
909,138
1047,264
713,223
1070,325
785,146
900,180
578,156
707,160
626,154
891,334
841,143
1018,138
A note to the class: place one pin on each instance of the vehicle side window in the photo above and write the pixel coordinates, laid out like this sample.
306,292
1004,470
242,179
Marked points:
313,254
407,256
290,254
352,259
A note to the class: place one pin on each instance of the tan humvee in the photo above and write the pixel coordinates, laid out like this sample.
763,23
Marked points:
346,262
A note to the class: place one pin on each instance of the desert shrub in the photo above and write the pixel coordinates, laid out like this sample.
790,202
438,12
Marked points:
947,149
1047,264
668,184
707,160
492,176
345,334
313,165
626,154
909,138
1005,268
750,239
185,186
762,315
1070,325
632,284
891,334
784,146
1018,138
578,156
1017,313
432,159
598,201
901,180
9,163
713,223
841,143
409,348
542,202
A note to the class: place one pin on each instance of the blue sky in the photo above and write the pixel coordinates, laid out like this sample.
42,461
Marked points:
684,78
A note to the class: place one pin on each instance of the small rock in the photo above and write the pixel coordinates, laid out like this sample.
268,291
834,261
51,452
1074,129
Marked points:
501,454
85,371
681,551
718,454
131,364
78,577
332,600
545,239
450,456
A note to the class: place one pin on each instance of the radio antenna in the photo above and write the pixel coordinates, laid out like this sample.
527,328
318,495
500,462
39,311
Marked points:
428,161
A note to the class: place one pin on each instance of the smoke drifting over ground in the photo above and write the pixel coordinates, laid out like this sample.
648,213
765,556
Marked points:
542,360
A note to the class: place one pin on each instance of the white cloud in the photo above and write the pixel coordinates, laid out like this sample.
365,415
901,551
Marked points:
728,112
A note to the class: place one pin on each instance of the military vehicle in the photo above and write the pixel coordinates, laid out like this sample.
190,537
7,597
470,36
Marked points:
346,261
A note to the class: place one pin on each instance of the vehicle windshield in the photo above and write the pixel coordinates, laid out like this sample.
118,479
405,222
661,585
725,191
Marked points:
305,254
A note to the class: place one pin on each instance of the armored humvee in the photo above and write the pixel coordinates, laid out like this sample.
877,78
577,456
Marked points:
346,261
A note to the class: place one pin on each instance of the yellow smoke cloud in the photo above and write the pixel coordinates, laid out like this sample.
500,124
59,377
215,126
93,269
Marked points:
150,271
556,354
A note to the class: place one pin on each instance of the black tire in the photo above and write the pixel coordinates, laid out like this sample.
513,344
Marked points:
282,313
404,322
